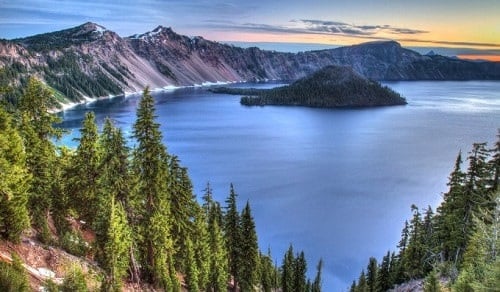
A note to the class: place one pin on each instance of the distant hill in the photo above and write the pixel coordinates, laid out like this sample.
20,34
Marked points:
330,87
91,61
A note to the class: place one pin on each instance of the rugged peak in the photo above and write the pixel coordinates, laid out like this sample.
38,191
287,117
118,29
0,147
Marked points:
92,27
86,32
158,33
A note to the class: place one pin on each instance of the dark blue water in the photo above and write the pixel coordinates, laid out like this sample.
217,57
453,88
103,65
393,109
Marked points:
338,184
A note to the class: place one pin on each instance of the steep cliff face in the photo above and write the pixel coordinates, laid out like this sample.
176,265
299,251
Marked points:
91,61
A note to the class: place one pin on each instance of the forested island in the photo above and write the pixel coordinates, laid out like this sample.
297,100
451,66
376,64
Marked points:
330,87
105,217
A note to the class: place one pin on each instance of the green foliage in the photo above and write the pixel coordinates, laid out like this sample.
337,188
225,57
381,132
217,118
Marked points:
316,285
116,248
461,240
371,275
431,283
13,278
150,166
232,231
73,242
65,75
191,268
37,130
74,281
14,181
201,247
218,277
332,86
85,171
268,273
140,205
249,251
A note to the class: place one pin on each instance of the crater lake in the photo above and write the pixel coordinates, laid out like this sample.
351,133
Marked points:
337,184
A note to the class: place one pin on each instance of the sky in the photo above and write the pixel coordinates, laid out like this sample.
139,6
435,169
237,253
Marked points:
461,27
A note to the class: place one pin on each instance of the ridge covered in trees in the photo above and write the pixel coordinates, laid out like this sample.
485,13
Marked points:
149,228
458,243
330,87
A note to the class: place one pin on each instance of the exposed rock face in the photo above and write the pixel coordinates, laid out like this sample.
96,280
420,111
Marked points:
89,60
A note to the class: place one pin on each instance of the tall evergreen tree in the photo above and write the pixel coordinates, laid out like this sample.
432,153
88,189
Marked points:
183,204
14,181
232,231
249,251
191,268
448,230
384,281
362,285
116,248
219,275
288,271
300,269
267,272
201,247
152,198
316,285
371,275
85,171
37,130
412,258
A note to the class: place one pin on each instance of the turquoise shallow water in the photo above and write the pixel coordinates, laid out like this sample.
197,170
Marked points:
338,184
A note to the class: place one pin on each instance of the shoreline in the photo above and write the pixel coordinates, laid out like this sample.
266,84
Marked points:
167,88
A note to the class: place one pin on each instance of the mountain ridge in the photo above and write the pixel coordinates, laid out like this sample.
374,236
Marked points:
91,61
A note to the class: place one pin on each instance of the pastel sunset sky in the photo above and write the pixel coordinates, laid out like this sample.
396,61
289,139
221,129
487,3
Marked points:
469,28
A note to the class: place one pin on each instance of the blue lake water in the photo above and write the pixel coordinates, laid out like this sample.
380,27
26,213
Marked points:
337,184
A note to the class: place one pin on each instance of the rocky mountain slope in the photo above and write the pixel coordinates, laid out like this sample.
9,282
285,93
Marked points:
91,61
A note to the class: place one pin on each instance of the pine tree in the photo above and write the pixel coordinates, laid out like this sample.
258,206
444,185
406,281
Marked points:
183,205
191,268
495,164
429,243
400,268
268,272
85,171
152,198
431,283
288,271
232,231
37,130
316,285
249,251
14,181
481,259
448,221
362,286
116,247
413,256
384,281
113,184
299,273
371,275
219,276
201,246
61,203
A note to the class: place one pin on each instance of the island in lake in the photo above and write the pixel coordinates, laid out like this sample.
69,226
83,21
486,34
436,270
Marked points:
330,87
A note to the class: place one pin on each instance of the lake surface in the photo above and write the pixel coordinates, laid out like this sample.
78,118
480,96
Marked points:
337,184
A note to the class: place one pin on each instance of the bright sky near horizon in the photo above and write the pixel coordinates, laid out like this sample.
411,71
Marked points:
473,26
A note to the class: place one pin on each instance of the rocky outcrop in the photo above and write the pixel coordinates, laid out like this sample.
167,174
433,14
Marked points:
89,60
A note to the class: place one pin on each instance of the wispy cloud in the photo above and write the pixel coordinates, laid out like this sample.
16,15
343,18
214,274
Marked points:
337,27
310,26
